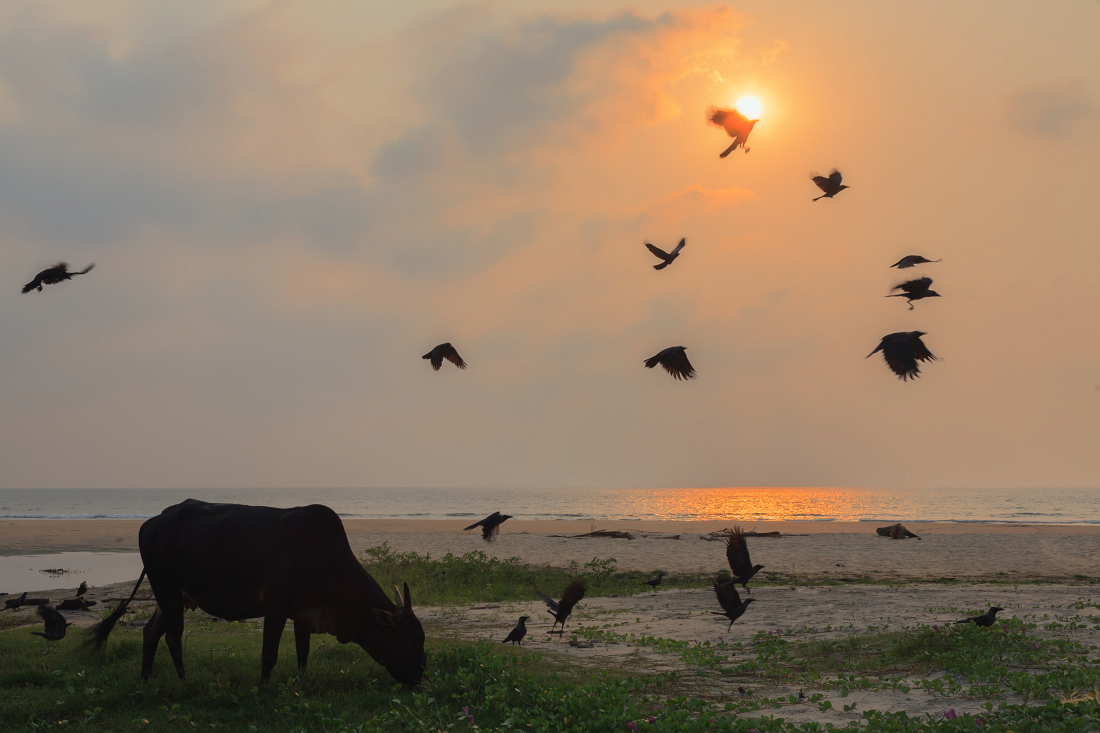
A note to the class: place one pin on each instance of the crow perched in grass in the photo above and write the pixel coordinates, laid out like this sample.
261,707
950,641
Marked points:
665,257
655,581
737,554
902,351
560,610
732,605
14,603
490,526
985,620
737,126
915,290
441,352
675,361
53,275
830,186
517,634
911,261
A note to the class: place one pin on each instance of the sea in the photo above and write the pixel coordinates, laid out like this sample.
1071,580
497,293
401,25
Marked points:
746,504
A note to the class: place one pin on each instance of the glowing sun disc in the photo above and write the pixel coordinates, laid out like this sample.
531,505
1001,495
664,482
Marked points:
750,107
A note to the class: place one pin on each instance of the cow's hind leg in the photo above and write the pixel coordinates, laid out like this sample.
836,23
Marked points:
301,643
173,636
154,629
274,623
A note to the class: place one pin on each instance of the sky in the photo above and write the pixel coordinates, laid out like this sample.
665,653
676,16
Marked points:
288,203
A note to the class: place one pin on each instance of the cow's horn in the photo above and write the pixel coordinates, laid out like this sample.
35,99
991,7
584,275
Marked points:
397,599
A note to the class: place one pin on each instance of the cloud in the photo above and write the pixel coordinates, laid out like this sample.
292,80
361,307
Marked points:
1055,109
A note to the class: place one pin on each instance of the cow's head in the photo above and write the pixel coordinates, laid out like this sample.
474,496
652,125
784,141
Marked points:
401,646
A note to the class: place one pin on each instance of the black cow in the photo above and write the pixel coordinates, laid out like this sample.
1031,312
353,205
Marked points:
238,562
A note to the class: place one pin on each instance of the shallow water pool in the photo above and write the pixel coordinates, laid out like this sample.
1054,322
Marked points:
20,573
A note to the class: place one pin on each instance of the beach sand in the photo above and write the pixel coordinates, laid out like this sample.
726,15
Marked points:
835,549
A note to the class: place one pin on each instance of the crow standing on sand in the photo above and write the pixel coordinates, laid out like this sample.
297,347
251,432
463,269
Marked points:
655,581
441,352
830,186
732,605
675,361
985,620
911,261
915,290
490,526
14,603
517,634
737,126
737,554
902,351
560,610
665,257
82,589
54,275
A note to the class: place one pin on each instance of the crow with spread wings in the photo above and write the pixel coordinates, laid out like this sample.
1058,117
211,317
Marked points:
902,351
732,605
570,597
665,257
830,186
490,526
441,352
915,290
736,125
737,555
911,261
53,275
674,360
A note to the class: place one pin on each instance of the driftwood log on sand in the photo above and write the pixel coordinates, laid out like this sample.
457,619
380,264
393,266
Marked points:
722,534
612,533
895,532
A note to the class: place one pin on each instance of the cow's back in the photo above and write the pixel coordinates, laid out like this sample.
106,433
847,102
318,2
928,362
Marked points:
233,560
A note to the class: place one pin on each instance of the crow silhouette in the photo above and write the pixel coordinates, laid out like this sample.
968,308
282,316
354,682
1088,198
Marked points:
490,526
441,352
55,624
54,275
517,634
736,125
911,261
13,603
560,610
82,589
674,360
830,186
737,554
902,351
915,290
665,257
732,605
655,581
986,619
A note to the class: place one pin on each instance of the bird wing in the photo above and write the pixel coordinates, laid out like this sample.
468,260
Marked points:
919,285
435,357
480,522
449,353
680,246
54,621
657,251
835,177
550,602
733,121
737,553
728,597
676,363
822,183
908,261
920,351
899,355
572,595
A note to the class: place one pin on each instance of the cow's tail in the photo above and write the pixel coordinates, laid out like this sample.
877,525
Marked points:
97,635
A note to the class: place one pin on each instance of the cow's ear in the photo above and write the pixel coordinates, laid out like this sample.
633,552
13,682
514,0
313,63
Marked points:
384,618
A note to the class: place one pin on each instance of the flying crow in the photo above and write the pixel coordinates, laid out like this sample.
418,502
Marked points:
53,275
910,261
902,351
737,554
830,186
675,361
55,624
441,352
732,605
560,610
915,290
490,526
736,125
665,257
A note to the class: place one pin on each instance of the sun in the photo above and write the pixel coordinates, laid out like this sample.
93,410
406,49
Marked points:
750,107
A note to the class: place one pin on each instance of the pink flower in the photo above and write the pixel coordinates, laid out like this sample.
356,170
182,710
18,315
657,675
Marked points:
651,720
950,714
470,719
632,726
653,709
721,640
466,710
713,721
977,722
935,627
1035,645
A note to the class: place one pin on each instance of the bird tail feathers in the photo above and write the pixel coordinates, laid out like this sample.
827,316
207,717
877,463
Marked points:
730,149
661,266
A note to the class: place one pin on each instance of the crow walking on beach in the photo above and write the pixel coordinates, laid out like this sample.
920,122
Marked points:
737,126
732,605
517,634
737,554
570,597
675,361
490,526
53,275
911,261
82,589
985,620
14,603
655,581
665,257
830,186
441,352
915,290
902,351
